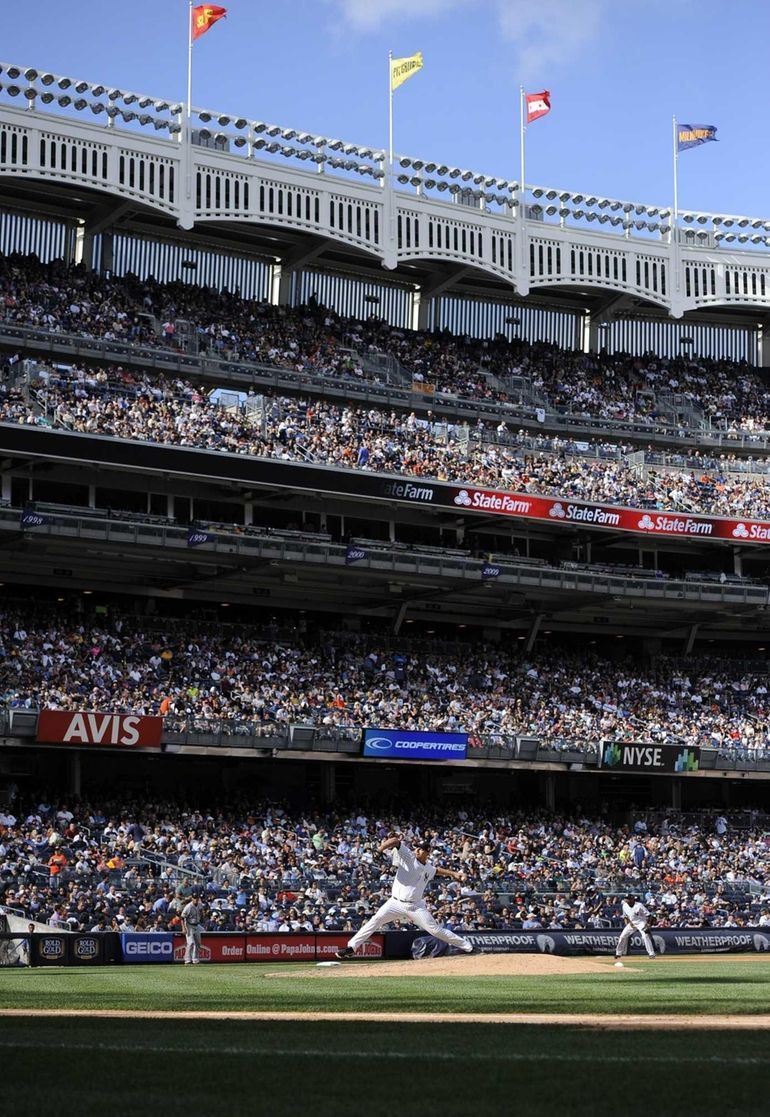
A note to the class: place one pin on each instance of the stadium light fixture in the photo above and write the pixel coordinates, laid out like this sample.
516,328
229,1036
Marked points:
46,98
552,195
443,186
129,98
576,213
13,72
430,167
30,75
98,107
405,162
537,192
552,210
64,101
603,218
13,90
287,133
334,145
455,188
320,141
442,170
30,93
564,197
743,222
48,79
591,201
702,220
81,87
273,130
97,90
728,222
430,184
80,104
577,199
564,212
241,141
467,176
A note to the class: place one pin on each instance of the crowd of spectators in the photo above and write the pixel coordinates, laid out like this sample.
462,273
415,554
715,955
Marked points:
119,403
314,339
263,866
200,674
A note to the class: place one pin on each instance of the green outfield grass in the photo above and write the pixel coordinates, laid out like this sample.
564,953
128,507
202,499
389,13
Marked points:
665,985
285,1068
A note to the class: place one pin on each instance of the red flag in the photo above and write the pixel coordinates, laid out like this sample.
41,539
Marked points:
205,16
538,104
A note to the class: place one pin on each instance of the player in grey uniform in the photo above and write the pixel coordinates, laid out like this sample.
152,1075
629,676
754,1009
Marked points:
637,919
413,873
191,923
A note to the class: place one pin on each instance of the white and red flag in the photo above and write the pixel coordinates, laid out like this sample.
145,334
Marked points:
538,104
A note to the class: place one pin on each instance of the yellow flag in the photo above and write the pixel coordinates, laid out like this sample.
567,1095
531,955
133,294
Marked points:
401,69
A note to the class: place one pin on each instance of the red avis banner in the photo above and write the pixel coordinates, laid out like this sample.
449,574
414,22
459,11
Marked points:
654,523
65,727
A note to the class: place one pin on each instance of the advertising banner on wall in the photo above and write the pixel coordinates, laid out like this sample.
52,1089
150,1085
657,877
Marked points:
68,727
685,941
636,756
409,744
653,523
140,947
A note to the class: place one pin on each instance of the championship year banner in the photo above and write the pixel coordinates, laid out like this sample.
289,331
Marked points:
409,744
67,727
641,756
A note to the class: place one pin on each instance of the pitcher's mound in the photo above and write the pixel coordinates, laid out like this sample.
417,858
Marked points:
475,965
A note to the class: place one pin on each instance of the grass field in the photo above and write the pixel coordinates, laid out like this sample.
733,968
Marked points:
277,1067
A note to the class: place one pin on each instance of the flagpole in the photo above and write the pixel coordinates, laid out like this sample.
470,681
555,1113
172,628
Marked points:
522,204
674,224
676,176
390,113
188,114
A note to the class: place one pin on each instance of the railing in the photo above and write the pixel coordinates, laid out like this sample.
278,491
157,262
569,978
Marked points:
245,375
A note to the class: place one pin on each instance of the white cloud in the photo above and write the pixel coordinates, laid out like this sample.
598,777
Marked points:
542,35
549,35
368,15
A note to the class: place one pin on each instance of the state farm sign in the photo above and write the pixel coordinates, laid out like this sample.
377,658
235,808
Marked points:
65,727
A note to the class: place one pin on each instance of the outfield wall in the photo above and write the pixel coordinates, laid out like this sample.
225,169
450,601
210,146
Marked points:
57,948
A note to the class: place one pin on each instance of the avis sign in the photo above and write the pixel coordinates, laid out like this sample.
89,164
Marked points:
635,756
65,727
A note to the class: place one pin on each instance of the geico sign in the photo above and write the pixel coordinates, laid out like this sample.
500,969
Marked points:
149,949
68,728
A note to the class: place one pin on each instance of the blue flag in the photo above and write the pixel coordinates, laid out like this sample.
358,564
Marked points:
196,537
354,554
692,135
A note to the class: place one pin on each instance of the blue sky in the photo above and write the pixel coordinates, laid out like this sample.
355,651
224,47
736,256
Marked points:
617,73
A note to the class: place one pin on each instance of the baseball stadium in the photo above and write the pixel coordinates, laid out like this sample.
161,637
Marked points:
384,625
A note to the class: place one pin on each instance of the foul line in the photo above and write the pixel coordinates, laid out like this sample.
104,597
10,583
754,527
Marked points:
606,1021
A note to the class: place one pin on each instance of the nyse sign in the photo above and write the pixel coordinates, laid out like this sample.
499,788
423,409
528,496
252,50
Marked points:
635,756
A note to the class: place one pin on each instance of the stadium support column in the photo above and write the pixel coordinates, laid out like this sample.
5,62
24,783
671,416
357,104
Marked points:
737,562
428,292
328,783
690,641
75,774
532,634
285,268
